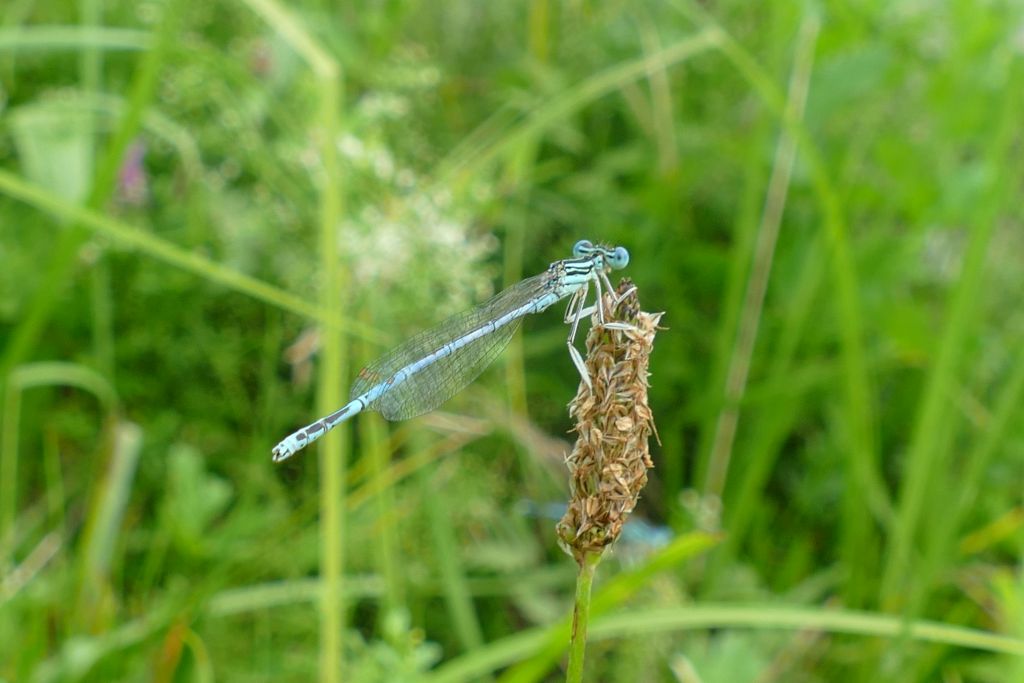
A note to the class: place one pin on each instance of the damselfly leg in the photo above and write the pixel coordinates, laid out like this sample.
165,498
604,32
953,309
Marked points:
577,301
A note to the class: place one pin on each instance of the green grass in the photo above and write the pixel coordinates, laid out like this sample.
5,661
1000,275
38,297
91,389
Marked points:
823,198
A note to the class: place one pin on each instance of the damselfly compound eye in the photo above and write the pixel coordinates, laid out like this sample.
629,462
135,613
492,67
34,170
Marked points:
582,248
619,258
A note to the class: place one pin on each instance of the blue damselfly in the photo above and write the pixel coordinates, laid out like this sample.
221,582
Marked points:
433,366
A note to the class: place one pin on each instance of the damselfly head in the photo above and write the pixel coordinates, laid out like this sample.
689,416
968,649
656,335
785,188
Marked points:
617,258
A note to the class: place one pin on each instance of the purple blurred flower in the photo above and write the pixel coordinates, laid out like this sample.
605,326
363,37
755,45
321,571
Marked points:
132,181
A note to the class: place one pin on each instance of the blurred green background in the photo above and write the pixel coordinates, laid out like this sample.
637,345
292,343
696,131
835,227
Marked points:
213,213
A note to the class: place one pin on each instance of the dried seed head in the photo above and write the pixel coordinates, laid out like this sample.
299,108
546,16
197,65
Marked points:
608,465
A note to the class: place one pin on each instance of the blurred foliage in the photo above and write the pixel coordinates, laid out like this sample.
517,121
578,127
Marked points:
878,462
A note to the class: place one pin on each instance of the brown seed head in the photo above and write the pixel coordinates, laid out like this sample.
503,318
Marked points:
608,465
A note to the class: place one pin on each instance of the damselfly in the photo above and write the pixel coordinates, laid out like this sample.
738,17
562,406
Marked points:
433,366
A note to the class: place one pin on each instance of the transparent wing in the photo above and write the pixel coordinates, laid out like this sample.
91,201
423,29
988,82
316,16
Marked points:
436,383
439,381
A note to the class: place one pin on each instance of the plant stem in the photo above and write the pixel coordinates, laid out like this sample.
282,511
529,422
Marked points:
581,617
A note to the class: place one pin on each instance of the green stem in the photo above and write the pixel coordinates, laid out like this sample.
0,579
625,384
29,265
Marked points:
580,617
